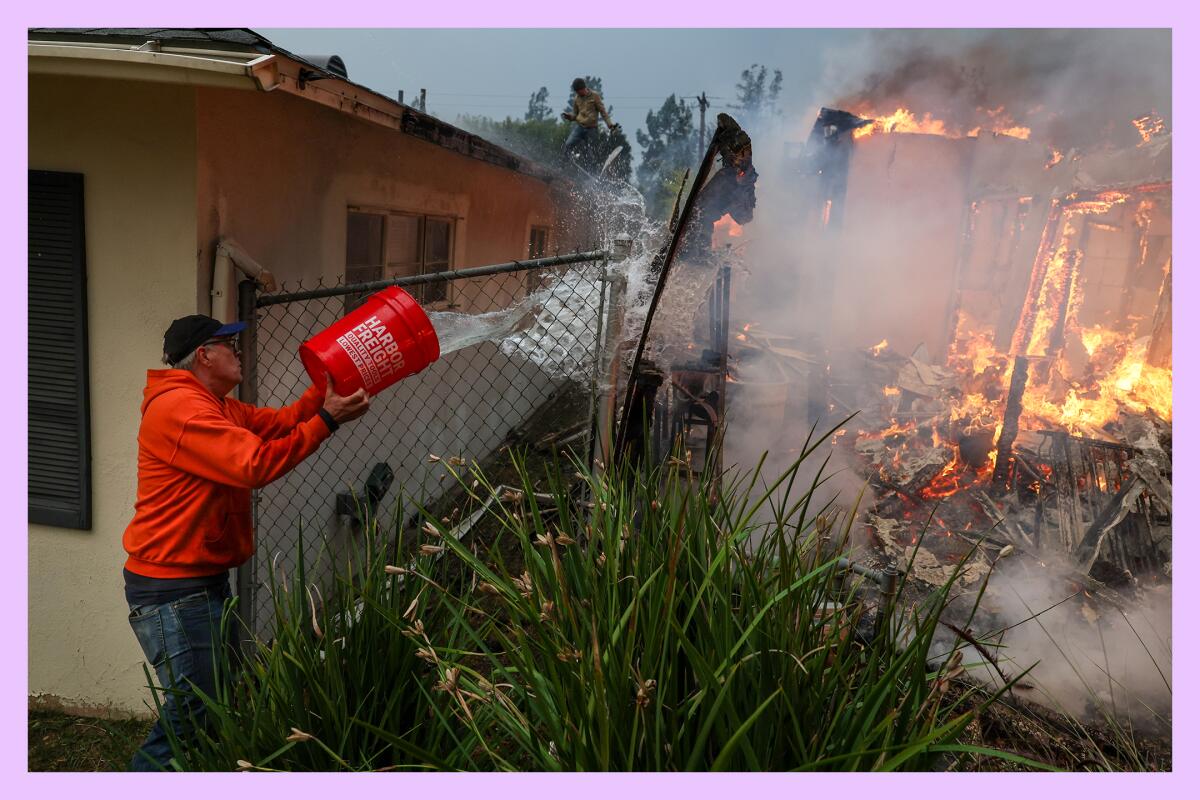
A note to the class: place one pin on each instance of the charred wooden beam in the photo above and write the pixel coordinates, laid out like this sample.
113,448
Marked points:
1023,331
1058,333
1002,476
828,155
1116,511
1159,353
639,423
1009,527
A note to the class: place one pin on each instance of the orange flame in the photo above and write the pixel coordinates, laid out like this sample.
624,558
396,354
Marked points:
726,225
1149,126
904,120
901,121
1099,203
1121,380
1003,124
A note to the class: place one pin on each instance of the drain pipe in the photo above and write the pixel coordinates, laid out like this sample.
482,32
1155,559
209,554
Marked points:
877,575
887,578
223,297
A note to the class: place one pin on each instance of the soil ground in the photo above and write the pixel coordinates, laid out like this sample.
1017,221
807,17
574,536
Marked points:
65,743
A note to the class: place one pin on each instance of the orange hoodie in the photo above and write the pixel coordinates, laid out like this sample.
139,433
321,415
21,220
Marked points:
199,456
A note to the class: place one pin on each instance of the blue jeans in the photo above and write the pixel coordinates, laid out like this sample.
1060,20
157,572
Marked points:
181,641
581,135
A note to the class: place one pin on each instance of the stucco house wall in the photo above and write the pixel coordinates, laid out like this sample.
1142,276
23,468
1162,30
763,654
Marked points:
277,173
135,145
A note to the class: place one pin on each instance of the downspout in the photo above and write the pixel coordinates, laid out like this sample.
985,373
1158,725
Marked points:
223,297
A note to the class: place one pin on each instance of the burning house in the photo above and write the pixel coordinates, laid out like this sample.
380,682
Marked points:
998,314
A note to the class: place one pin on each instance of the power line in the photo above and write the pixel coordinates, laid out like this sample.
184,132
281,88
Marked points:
432,101
526,96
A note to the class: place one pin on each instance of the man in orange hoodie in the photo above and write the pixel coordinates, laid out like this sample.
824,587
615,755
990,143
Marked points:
200,454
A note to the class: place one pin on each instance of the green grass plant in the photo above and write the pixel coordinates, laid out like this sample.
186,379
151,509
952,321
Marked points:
653,619
343,682
670,624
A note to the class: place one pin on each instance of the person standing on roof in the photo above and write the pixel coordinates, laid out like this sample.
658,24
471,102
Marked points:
200,454
586,110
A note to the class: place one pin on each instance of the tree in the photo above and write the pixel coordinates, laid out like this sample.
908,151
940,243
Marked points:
754,96
668,145
539,136
536,139
539,106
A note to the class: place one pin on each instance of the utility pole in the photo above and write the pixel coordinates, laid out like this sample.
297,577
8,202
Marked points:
703,101
422,101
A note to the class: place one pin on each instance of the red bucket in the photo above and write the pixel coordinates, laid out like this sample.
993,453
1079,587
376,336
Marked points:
387,338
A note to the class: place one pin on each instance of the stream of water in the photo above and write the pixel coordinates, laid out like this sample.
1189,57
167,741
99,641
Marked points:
556,326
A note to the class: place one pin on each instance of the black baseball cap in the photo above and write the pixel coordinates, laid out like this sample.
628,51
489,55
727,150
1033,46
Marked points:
188,333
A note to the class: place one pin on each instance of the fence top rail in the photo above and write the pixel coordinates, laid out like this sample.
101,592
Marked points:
433,277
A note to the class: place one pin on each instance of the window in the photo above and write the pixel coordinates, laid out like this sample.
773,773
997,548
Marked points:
364,247
437,257
60,482
538,237
537,241
393,244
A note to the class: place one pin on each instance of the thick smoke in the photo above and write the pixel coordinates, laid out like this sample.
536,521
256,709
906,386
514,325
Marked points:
1072,88
1089,658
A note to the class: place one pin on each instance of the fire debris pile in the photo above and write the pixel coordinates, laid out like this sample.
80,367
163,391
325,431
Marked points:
954,449
1011,362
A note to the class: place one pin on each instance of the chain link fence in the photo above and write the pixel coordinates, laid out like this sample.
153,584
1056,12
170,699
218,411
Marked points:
466,405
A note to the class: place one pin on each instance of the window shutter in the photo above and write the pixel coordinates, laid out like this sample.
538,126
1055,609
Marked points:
60,486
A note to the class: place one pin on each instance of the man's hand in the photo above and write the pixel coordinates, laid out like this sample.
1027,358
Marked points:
347,407
616,126
566,116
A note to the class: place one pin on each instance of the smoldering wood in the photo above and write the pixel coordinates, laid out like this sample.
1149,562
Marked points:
1058,334
1112,515
1012,417
1159,352
1021,335
1006,524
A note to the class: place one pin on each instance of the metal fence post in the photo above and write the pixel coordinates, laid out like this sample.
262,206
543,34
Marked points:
247,582
593,420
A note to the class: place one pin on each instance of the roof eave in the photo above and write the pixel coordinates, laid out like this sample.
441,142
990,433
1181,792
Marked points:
284,74
278,71
66,58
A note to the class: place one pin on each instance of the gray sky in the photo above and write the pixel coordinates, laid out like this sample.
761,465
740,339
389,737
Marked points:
1075,87
493,72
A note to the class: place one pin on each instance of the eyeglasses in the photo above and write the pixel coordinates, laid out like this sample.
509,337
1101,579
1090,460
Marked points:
233,345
